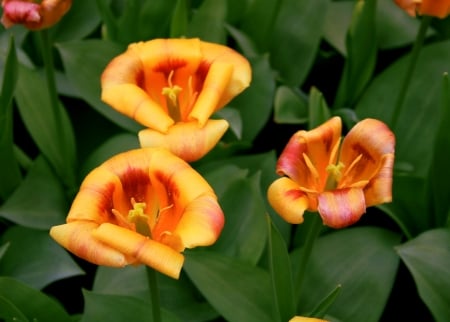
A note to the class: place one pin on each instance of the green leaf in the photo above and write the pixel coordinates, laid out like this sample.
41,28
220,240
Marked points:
296,36
237,290
289,106
9,312
322,308
318,109
54,137
437,184
244,42
40,201
84,62
233,116
370,258
255,103
211,13
361,54
119,308
9,167
179,20
32,304
280,268
34,258
427,258
244,234
420,114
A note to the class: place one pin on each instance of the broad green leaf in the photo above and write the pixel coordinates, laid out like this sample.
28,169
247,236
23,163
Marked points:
81,20
84,62
244,42
178,296
51,130
237,290
244,234
363,261
213,14
280,268
416,127
179,20
233,116
9,167
34,258
9,312
120,308
295,39
322,308
318,109
289,106
437,184
40,200
427,258
32,304
255,103
222,177
116,144
361,54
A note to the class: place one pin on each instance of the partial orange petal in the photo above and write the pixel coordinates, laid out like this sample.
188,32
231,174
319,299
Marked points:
410,6
202,222
317,145
156,255
341,208
379,189
369,139
77,238
187,140
305,319
122,89
216,82
436,8
288,200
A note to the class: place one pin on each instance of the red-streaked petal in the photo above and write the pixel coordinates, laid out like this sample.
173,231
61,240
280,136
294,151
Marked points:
317,145
77,238
341,208
187,140
379,189
288,200
156,255
370,139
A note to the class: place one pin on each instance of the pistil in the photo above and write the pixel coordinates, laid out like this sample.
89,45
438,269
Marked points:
171,93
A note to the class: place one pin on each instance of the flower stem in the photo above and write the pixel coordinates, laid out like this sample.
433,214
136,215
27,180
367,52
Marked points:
410,69
154,293
314,230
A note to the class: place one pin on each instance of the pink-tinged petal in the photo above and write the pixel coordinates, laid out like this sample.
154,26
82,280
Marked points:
341,208
202,222
214,86
379,189
77,238
317,146
368,140
288,200
187,140
147,251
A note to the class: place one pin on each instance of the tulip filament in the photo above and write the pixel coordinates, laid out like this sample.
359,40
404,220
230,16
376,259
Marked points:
171,93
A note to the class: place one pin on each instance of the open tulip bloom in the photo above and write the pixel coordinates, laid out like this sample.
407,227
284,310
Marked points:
172,87
34,15
337,179
142,206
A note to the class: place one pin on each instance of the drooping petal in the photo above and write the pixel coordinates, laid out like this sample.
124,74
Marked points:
316,145
341,208
288,200
368,140
187,140
379,188
147,251
77,238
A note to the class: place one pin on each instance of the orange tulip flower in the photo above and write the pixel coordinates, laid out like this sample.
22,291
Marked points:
172,87
339,180
435,8
32,14
142,206
304,319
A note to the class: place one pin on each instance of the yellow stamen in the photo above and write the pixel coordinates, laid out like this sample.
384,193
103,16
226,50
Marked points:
139,218
171,93
334,175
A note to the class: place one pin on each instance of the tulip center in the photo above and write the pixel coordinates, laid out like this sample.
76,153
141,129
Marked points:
139,218
334,175
171,93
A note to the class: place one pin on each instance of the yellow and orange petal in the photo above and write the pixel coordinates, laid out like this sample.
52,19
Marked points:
33,15
186,140
180,206
305,319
